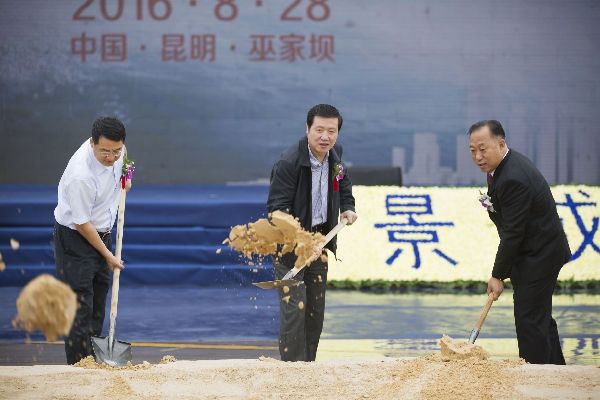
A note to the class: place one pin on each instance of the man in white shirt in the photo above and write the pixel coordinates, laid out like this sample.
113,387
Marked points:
88,198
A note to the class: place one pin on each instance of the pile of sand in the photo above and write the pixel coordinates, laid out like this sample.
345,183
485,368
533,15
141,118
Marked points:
452,349
262,238
433,377
48,305
422,378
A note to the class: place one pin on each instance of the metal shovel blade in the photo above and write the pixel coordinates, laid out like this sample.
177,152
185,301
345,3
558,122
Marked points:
473,336
117,356
287,279
277,283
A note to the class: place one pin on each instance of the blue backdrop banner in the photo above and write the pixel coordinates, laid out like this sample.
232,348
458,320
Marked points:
213,91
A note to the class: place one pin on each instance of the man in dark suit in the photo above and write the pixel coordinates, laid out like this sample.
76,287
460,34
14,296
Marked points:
533,245
309,182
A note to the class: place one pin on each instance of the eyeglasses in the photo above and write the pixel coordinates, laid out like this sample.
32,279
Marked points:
108,153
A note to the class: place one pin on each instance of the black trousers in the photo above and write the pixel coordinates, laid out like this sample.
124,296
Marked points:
537,332
81,266
301,314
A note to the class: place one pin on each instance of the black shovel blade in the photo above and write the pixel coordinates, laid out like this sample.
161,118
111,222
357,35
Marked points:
118,357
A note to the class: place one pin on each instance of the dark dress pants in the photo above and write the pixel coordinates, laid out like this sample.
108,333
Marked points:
80,266
537,333
301,314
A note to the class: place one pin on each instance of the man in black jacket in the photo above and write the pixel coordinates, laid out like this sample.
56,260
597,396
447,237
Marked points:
533,245
309,182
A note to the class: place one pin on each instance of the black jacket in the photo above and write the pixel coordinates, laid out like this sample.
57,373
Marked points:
532,239
291,187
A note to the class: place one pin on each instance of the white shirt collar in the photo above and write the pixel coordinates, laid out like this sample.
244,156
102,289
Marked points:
503,157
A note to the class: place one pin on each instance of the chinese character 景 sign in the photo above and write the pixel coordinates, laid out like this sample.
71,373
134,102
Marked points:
443,234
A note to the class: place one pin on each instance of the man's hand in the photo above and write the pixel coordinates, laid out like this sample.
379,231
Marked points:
495,287
113,262
350,216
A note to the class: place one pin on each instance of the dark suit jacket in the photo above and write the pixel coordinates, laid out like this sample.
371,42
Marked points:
532,239
291,187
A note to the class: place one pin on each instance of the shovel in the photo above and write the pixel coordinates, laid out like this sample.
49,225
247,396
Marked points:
288,279
107,349
479,324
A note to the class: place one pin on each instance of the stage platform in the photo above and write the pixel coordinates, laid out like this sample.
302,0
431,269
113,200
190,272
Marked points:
171,234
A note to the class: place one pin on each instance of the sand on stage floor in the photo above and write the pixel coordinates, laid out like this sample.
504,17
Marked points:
426,377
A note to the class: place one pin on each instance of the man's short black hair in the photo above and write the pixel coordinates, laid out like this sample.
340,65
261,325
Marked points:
110,128
495,127
323,111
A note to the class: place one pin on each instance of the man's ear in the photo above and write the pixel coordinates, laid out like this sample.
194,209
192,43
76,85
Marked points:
306,129
502,143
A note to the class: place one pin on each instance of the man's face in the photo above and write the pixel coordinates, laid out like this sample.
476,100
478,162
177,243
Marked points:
487,150
322,135
107,151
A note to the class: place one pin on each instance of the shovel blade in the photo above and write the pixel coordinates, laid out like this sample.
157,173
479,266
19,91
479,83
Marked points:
118,357
277,283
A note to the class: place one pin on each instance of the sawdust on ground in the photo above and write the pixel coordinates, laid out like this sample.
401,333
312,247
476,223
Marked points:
90,363
48,305
279,230
422,378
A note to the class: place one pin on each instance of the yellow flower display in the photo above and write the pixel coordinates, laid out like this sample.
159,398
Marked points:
444,234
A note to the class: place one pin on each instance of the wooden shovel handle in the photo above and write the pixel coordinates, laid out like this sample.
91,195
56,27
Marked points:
485,311
336,229
114,298
118,247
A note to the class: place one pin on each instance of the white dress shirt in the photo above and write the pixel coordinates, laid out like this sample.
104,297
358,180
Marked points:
88,191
